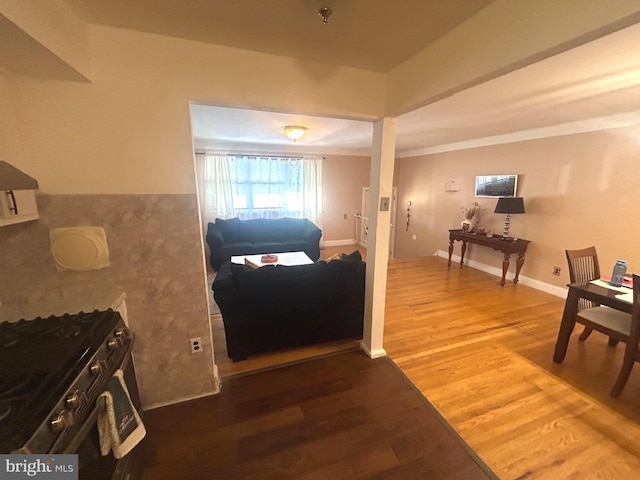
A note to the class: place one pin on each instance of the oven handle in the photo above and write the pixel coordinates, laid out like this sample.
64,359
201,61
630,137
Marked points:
92,419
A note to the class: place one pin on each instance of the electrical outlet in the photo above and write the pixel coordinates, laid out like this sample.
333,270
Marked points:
556,271
196,344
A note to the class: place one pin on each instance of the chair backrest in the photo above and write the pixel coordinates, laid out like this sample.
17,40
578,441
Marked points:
634,336
636,299
583,267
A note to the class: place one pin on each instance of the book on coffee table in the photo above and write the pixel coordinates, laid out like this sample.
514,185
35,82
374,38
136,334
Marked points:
250,263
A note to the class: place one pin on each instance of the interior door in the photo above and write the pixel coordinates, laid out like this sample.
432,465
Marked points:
364,218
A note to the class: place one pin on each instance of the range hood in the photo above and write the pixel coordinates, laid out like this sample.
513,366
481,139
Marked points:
17,196
13,179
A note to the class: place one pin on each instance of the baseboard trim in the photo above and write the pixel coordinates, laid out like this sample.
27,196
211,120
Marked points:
524,280
381,352
337,243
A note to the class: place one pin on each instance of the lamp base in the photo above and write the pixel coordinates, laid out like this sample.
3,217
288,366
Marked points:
507,224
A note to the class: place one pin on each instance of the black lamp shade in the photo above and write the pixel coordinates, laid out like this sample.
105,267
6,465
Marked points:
510,205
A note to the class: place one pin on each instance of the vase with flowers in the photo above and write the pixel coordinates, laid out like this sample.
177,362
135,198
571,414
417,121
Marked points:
470,216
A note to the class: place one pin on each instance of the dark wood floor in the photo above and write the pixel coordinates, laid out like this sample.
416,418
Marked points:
342,416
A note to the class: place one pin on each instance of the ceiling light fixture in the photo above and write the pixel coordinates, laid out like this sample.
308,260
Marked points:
325,13
294,132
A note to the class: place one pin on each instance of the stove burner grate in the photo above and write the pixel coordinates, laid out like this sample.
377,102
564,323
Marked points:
39,360
5,410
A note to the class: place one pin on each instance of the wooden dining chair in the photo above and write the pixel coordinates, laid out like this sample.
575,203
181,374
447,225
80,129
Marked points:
584,267
631,352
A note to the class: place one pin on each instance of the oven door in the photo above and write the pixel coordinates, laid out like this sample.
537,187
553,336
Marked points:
86,444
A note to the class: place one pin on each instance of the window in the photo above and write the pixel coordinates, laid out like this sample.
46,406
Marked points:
259,187
267,187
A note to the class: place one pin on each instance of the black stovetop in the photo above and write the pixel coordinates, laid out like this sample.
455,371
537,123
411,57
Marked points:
39,359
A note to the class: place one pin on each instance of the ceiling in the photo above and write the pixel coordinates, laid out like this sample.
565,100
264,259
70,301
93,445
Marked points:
373,35
594,86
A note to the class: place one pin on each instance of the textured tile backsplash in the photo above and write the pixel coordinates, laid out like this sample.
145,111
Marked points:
156,259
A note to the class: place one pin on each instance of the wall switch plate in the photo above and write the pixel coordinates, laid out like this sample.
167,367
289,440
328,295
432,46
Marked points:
556,271
196,345
384,204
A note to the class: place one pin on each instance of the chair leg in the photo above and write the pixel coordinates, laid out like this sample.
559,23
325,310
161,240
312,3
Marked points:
585,334
625,371
613,342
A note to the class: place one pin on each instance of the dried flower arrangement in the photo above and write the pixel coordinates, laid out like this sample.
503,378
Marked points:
470,212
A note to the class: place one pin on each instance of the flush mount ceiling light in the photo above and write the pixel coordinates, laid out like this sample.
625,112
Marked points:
294,132
325,13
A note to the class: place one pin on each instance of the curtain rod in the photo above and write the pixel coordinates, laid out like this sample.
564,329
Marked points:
260,156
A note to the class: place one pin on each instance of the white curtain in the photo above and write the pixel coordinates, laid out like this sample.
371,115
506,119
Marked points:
216,194
217,187
312,189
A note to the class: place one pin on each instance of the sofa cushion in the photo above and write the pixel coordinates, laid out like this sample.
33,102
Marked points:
235,230
230,250
285,228
215,239
252,230
230,229
237,269
268,247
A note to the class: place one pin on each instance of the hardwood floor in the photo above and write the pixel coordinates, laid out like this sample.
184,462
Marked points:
226,367
342,416
482,355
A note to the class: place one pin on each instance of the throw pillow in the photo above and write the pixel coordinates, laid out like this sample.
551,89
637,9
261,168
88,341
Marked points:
354,257
335,256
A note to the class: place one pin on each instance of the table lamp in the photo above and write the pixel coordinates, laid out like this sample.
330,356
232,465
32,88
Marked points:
509,206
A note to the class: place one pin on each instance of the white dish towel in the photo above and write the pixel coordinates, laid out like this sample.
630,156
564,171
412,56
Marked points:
119,424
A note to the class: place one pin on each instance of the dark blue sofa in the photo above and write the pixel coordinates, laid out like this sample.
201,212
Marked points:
276,306
249,237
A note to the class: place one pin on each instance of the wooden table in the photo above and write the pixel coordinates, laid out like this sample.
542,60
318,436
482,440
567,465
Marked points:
497,242
595,293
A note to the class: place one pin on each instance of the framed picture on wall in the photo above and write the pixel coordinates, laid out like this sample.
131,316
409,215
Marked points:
496,185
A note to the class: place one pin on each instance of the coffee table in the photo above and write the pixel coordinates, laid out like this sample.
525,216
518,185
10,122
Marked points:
284,258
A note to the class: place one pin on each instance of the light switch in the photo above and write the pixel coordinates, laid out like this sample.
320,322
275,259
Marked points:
384,204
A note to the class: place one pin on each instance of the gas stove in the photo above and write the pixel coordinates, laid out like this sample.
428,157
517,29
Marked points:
52,371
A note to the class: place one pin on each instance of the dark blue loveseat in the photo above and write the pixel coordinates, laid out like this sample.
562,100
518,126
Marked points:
249,237
276,307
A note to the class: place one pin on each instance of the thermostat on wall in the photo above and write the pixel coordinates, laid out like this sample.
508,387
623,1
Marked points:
79,248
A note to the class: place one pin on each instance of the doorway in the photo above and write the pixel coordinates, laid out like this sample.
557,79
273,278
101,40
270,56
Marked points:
362,221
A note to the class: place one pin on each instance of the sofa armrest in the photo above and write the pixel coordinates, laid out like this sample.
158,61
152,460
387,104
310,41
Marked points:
311,233
215,239
224,279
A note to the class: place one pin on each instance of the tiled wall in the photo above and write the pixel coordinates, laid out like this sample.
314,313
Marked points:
155,259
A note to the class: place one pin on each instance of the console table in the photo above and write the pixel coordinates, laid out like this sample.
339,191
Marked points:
497,242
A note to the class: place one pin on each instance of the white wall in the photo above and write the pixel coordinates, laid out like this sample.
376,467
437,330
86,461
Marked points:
128,131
